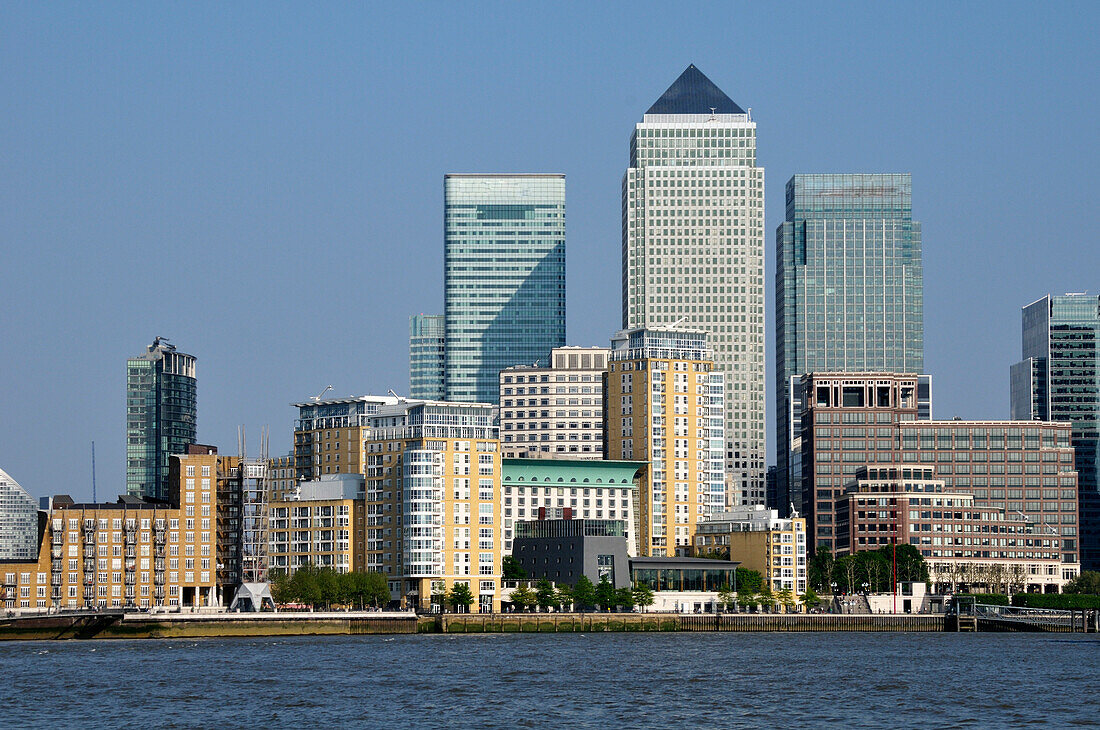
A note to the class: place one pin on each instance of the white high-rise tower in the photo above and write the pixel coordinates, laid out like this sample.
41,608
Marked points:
693,250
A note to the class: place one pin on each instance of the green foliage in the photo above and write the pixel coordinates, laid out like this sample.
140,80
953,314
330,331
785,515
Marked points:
563,596
605,594
810,599
718,553
624,597
746,599
374,588
523,597
726,597
544,594
584,593
820,571
1061,601
767,597
786,599
460,597
749,580
325,587
1088,582
643,595
512,569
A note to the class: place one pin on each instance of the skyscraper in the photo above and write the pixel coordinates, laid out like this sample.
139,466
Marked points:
1059,380
693,250
160,415
504,277
848,295
427,340
18,521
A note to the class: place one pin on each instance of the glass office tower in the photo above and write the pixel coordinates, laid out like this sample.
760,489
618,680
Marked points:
693,250
160,415
849,295
1059,380
18,521
504,278
427,341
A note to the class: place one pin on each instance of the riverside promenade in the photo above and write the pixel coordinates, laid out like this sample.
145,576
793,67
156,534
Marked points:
118,625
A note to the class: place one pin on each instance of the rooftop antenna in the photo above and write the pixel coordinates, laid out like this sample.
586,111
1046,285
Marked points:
317,398
713,109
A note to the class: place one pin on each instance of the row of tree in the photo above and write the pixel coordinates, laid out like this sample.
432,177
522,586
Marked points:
324,587
867,570
583,596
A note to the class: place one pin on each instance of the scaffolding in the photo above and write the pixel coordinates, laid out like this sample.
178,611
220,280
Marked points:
253,592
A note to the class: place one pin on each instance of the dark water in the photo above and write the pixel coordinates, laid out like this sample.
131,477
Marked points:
536,681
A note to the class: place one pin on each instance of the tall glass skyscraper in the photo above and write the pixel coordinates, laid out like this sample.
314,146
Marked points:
160,415
427,342
693,250
504,277
18,521
849,295
1059,380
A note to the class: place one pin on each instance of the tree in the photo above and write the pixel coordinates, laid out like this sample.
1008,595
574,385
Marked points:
749,580
523,597
563,596
460,597
326,587
584,593
643,596
624,597
786,598
303,586
725,597
820,570
544,593
722,552
375,589
512,568
746,599
1087,582
280,586
844,573
605,594
767,598
810,599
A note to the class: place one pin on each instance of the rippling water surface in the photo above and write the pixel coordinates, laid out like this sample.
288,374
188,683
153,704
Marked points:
589,680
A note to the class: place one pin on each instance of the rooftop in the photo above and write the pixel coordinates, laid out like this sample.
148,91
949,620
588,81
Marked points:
694,93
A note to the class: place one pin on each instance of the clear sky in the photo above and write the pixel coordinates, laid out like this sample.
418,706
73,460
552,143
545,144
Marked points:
262,182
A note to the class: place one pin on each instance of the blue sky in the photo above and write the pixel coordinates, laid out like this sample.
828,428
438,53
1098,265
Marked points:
262,182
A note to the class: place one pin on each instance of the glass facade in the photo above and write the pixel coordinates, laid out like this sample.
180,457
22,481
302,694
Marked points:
504,278
849,293
693,249
1059,380
160,416
427,338
18,521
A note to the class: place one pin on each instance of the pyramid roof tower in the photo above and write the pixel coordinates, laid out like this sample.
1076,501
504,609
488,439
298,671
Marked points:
694,93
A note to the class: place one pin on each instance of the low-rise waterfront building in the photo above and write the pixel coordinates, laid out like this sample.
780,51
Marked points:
684,585
589,489
554,409
320,524
966,545
759,539
563,549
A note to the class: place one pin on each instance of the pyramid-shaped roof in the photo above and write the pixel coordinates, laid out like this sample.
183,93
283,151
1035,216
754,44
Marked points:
694,93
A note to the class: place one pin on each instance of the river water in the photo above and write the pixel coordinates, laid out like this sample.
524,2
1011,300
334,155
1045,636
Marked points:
681,680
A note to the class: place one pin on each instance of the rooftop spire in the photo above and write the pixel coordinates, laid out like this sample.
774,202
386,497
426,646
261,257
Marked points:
694,93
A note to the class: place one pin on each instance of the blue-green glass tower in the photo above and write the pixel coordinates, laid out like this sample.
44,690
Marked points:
504,277
849,295
427,342
161,411
1059,380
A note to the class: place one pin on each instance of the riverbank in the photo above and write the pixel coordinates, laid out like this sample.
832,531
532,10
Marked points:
174,626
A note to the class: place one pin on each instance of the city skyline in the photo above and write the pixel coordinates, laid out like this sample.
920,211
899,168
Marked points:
245,172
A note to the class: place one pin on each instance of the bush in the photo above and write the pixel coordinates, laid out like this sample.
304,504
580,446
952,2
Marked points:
1060,601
